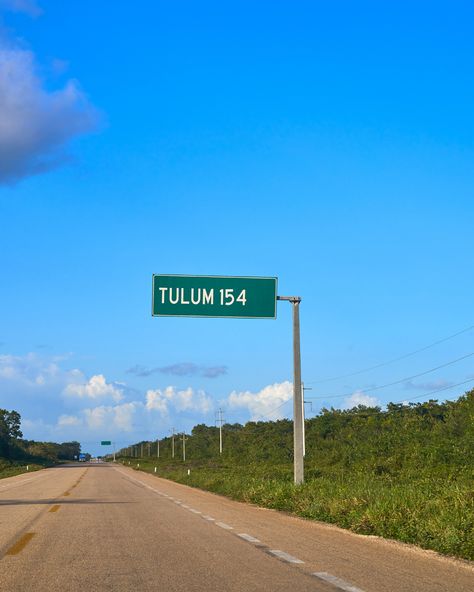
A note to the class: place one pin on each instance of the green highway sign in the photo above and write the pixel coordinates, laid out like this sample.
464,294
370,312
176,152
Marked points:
214,296
106,443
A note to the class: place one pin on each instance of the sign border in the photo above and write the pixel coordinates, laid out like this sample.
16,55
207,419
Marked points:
195,316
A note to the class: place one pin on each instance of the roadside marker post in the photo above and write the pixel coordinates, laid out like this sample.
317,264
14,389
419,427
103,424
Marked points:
234,297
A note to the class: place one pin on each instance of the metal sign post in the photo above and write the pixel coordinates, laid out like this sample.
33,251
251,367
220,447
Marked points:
234,297
298,437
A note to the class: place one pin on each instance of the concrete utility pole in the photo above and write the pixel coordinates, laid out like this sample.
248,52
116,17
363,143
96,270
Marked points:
157,448
184,447
220,421
149,453
141,451
172,442
298,446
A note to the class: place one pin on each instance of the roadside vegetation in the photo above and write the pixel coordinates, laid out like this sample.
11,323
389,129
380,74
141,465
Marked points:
16,454
405,473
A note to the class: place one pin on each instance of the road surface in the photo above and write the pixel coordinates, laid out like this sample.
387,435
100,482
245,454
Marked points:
106,528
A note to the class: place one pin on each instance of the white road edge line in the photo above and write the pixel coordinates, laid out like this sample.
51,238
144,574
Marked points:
209,518
285,556
341,584
224,526
249,538
178,502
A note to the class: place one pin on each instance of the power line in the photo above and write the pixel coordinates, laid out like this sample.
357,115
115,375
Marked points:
444,388
439,390
392,361
376,388
433,392
273,410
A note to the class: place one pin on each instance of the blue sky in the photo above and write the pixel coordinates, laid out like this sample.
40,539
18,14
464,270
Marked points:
327,144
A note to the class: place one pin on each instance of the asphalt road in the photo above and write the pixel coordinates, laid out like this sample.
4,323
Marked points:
102,527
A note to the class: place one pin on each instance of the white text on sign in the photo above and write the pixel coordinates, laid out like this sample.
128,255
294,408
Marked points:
195,296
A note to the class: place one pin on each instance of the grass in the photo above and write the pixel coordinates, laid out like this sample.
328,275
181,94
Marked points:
432,512
10,469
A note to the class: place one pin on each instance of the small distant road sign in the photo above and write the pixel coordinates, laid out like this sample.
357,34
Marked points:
106,443
214,296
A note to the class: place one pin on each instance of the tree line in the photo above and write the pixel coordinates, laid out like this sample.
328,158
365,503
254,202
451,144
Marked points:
14,448
415,436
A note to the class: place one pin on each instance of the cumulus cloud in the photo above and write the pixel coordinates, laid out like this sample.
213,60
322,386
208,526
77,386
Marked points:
180,369
157,400
360,398
95,417
181,400
33,370
95,388
124,414
36,124
266,403
112,416
68,420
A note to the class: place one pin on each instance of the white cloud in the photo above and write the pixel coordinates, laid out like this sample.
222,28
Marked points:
189,400
95,417
360,398
124,414
36,124
69,420
180,400
267,403
119,417
95,388
157,400
33,371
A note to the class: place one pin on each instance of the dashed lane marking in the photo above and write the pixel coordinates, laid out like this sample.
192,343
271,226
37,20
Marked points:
224,526
247,537
326,577
20,544
337,582
285,556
